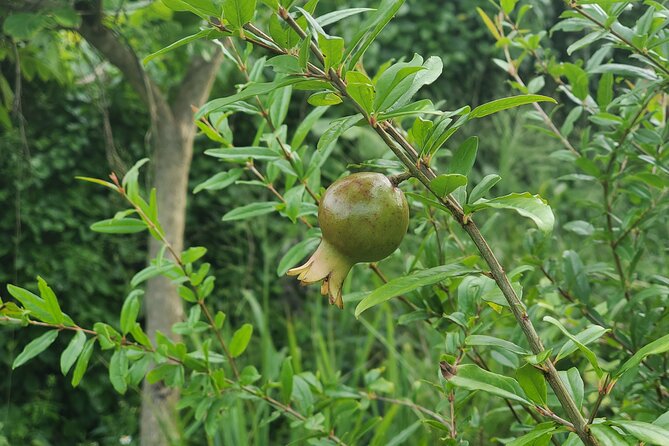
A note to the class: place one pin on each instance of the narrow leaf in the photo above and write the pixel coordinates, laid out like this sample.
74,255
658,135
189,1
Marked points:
251,210
240,340
533,383
527,205
472,377
464,157
507,103
239,12
484,186
72,352
405,284
220,181
585,350
490,341
650,433
35,347
447,183
654,348
119,226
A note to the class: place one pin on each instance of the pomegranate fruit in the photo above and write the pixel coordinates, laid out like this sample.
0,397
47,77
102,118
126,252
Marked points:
363,218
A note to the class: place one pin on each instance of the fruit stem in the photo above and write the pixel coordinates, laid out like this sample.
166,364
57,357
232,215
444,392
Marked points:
399,178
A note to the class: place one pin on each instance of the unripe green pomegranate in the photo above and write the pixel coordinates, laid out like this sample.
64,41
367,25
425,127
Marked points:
363,218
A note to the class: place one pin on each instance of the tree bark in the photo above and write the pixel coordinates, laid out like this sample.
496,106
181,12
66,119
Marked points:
173,134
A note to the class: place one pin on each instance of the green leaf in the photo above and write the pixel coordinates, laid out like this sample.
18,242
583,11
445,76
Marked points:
193,254
251,210
274,4
51,301
24,25
526,204
333,50
243,154
107,336
585,41
239,12
447,183
421,107
626,70
607,435
585,350
484,186
253,89
82,362
432,69
240,340
249,375
118,371
130,180
508,5
489,24
464,157
72,352
279,101
533,383
443,129
427,201
98,181
306,125
360,88
129,311
507,103
322,98
490,341
370,29
605,90
202,8
394,81
473,378
590,334
203,34
336,16
287,379
654,348
295,254
580,227
650,433
540,435
140,336
66,17
285,64
37,306
574,384
663,420
35,347
335,129
119,226
577,78
405,435
405,284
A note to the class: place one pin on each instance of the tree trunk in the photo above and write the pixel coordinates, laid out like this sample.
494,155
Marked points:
171,164
163,308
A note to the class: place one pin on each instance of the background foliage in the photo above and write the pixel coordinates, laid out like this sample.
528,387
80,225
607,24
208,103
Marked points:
51,238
